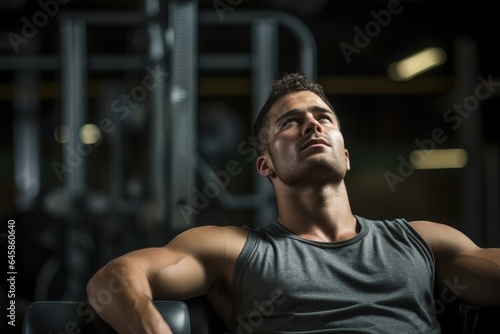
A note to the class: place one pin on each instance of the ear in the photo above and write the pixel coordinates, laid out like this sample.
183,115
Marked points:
347,161
264,167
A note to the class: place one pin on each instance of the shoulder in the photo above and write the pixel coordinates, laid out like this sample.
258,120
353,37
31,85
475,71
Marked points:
207,240
442,238
212,231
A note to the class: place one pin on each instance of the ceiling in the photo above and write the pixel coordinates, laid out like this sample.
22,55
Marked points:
413,24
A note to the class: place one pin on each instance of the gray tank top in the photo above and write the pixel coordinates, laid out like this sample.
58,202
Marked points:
380,281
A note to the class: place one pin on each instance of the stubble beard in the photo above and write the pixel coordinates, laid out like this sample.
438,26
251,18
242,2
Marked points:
313,171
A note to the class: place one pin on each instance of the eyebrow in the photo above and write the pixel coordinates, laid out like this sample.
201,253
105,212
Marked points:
293,112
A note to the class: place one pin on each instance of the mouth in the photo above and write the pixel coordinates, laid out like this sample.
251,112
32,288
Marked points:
315,143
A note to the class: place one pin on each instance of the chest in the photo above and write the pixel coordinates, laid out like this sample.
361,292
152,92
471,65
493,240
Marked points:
365,272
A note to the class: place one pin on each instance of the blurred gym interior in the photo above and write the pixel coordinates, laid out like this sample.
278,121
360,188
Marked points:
127,122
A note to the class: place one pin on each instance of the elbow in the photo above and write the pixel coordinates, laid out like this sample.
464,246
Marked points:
95,287
105,284
92,286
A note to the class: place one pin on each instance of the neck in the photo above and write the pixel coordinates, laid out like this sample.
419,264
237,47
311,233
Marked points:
319,214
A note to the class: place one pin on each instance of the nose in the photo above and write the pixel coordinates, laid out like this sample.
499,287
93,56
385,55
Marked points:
312,124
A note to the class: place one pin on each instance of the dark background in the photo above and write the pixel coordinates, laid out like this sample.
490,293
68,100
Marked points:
381,122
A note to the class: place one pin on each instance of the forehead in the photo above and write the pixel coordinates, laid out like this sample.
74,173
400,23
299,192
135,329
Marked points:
304,100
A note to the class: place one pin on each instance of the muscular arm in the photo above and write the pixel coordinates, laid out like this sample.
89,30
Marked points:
121,294
123,290
470,272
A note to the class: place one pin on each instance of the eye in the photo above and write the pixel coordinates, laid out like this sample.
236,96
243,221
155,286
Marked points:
289,121
325,117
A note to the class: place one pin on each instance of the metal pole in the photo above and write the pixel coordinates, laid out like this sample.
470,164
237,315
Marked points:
305,38
157,100
74,110
183,20
26,138
264,72
73,102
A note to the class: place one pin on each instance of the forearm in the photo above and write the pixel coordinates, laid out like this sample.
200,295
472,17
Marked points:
120,293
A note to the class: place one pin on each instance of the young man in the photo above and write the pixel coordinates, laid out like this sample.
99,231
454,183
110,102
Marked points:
317,268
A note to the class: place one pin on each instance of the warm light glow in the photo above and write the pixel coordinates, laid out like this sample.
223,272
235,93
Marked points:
438,159
416,64
90,134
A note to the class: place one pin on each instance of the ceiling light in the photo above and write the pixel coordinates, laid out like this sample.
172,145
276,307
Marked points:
90,134
438,159
416,64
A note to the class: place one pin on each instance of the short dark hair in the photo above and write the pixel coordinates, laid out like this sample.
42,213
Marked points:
287,83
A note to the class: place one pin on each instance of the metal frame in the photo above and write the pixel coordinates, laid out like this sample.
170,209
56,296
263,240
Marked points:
264,67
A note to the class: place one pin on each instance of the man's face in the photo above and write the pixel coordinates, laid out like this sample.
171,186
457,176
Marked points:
304,141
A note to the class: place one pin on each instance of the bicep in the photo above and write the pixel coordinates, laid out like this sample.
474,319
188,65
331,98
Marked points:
186,278
187,266
169,273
